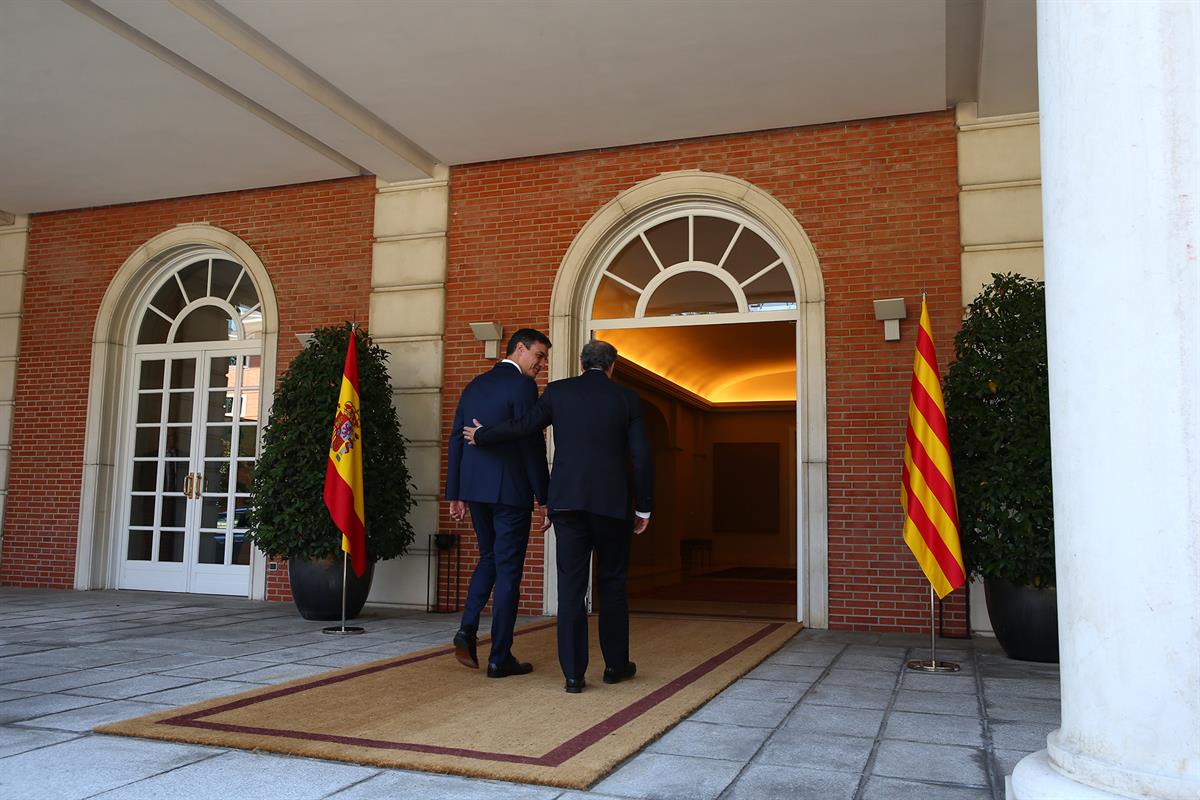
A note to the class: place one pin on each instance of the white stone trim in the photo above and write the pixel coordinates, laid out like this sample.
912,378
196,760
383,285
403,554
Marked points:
966,116
407,237
14,249
406,287
96,553
574,287
1000,205
983,248
412,211
983,187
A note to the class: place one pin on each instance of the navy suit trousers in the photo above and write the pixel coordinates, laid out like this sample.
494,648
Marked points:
503,535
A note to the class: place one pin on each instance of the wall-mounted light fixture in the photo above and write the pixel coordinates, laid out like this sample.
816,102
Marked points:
890,312
490,333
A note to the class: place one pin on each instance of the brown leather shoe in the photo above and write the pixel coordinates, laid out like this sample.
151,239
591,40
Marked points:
464,648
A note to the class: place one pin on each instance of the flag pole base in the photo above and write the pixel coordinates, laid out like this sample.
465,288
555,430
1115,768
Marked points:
342,630
922,665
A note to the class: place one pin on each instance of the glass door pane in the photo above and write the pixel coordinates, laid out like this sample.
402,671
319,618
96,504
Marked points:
160,440
231,411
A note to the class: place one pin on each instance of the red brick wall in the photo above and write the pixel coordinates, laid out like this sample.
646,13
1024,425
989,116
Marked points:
315,241
878,198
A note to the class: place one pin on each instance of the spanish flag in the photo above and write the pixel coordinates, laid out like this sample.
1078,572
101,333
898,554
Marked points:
343,471
927,483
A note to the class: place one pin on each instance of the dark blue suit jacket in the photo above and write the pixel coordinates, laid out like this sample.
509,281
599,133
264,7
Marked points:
596,422
513,473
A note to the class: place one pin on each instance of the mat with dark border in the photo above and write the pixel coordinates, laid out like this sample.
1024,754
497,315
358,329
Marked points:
425,711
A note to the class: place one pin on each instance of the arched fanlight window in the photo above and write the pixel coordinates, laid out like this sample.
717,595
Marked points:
694,263
209,300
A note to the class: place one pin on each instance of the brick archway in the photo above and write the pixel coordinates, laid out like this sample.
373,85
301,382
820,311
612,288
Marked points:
95,557
569,315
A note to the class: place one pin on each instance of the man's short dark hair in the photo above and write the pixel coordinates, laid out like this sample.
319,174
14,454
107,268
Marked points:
526,336
598,355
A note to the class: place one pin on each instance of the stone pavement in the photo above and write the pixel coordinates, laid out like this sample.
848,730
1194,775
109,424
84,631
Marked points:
832,716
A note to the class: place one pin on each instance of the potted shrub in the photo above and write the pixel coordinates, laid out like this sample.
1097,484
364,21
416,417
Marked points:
998,411
289,518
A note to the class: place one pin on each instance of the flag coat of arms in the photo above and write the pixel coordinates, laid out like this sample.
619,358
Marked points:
343,469
927,493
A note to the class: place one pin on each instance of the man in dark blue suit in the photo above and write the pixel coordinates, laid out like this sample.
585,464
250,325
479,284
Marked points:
596,423
498,485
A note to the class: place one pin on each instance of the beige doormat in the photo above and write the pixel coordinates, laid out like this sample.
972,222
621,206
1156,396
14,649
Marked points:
425,711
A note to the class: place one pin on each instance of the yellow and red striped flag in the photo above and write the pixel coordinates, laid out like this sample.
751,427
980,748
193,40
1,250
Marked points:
343,470
927,483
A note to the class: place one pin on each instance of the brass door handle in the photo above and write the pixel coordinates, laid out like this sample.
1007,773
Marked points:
187,485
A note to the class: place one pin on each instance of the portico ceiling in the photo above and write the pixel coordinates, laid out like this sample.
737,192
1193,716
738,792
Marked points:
111,101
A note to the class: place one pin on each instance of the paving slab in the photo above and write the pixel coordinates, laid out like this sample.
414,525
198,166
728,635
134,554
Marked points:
955,683
657,776
849,697
224,775
763,782
965,705
865,679
786,672
15,739
73,679
85,718
800,658
97,763
1014,735
753,713
395,784
37,705
791,747
710,740
131,687
831,719
940,763
878,788
1024,709
773,691
934,728
11,672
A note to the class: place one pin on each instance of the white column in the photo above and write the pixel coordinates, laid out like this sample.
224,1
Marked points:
1120,139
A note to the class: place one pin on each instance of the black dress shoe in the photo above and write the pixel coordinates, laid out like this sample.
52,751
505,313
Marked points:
617,675
575,685
464,648
509,667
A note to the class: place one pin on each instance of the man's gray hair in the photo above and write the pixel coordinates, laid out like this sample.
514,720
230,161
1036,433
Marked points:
598,354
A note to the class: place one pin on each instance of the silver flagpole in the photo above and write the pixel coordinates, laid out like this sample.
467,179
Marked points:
343,629
932,665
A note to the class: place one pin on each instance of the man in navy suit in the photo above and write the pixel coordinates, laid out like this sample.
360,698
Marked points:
596,422
498,485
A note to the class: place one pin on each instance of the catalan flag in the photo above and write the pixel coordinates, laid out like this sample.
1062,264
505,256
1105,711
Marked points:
927,483
343,470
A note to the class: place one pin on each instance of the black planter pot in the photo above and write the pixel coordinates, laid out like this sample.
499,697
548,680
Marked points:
1025,619
317,588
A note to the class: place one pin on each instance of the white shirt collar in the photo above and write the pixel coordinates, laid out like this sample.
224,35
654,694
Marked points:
515,364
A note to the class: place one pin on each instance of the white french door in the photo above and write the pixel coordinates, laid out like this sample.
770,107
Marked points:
191,443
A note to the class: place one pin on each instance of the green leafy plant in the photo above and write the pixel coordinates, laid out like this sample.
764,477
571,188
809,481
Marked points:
998,411
289,518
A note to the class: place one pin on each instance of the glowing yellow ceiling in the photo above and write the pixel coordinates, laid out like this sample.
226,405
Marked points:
751,362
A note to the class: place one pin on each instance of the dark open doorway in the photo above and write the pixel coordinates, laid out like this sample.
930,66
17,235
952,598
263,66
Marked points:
722,540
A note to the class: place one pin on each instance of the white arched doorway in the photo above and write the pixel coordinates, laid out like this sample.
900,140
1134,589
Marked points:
182,373
661,256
